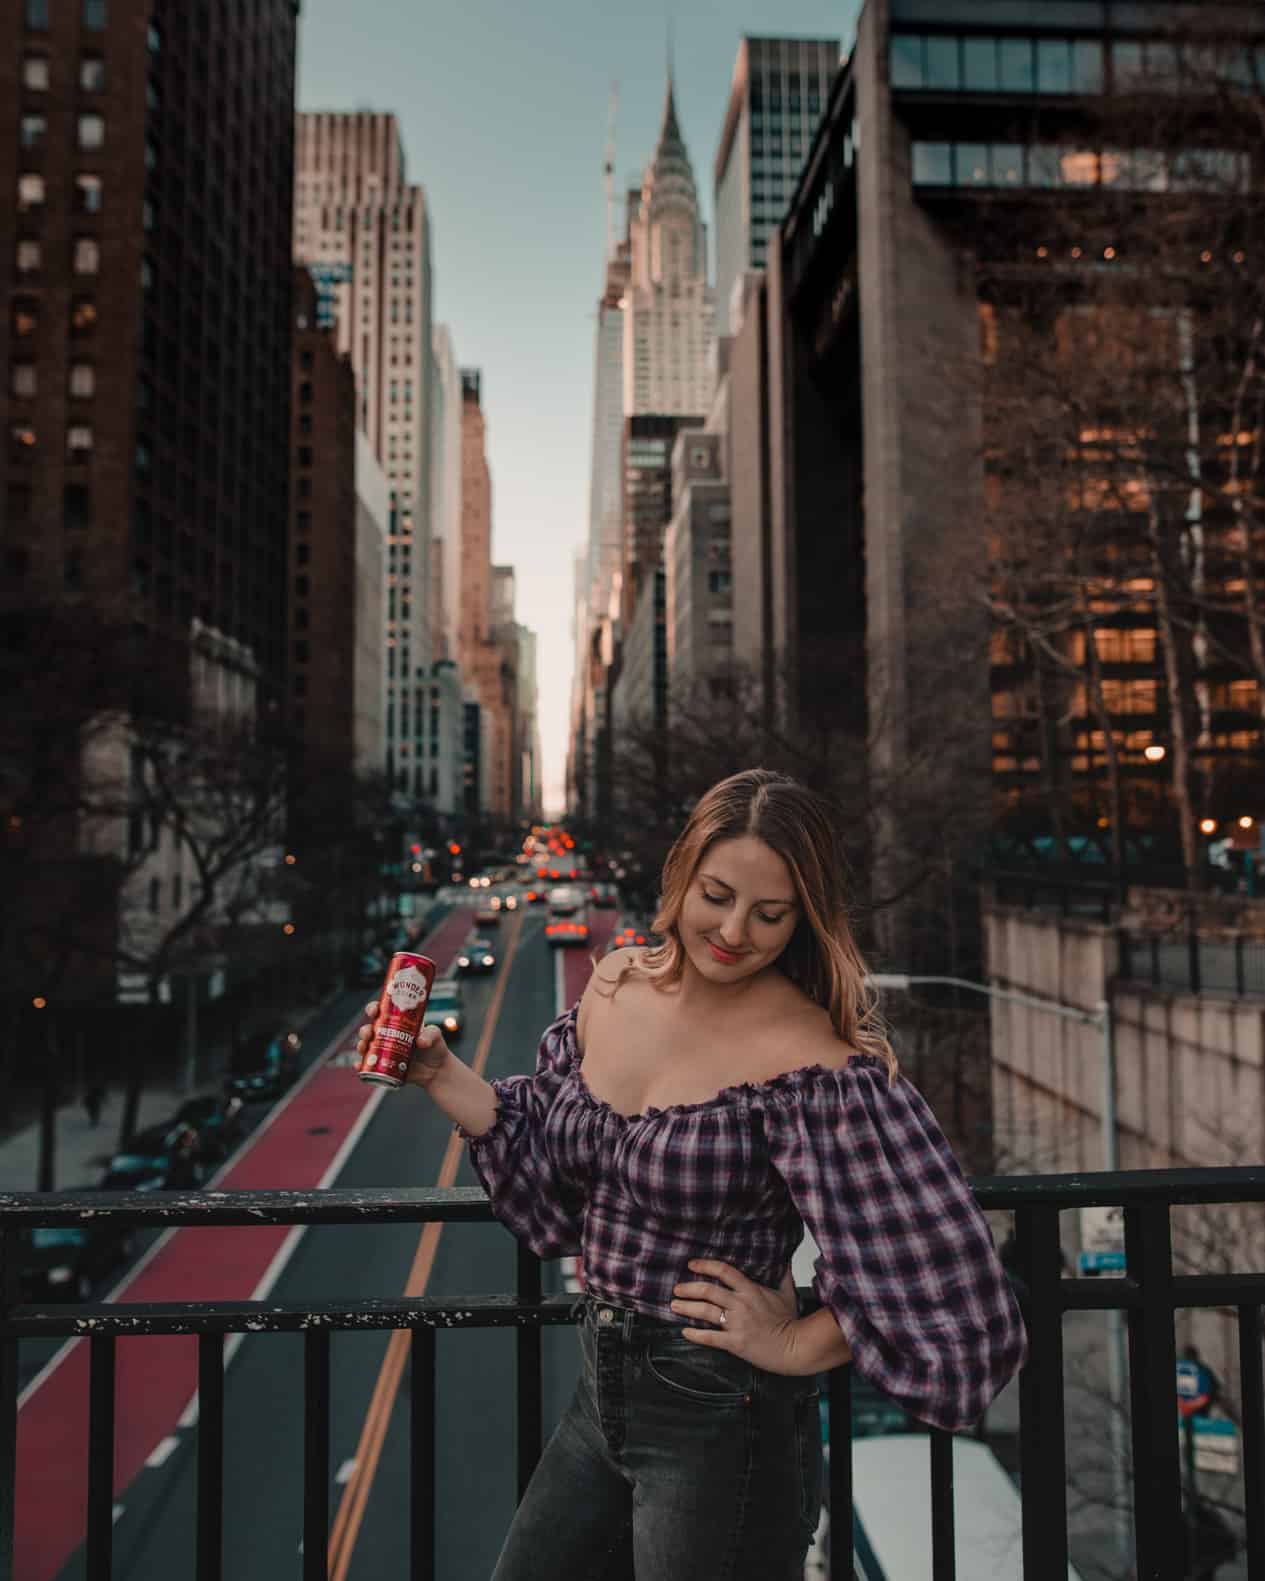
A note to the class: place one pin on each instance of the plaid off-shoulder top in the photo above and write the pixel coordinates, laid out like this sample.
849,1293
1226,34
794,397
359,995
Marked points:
907,1264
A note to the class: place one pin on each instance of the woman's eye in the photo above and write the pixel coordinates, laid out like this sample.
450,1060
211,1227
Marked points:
713,900
770,920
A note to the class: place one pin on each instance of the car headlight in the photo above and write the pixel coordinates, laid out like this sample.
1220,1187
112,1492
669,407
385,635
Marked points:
59,1276
489,960
451,1023
463,960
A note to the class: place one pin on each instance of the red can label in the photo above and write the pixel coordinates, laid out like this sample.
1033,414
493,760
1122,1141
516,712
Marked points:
402,1010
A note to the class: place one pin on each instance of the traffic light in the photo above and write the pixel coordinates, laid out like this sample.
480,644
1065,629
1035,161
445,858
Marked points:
453,848
416,850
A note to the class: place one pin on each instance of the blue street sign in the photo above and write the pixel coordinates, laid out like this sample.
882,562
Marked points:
1100,1262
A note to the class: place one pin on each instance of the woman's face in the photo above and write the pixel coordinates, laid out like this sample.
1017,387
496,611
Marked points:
740,910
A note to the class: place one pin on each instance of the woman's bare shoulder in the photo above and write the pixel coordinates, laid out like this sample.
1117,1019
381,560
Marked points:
802,1030
600,989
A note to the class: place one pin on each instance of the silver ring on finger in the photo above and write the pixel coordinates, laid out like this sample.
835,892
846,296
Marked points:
724,1317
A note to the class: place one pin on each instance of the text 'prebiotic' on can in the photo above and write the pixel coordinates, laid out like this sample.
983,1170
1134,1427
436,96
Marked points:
401,1012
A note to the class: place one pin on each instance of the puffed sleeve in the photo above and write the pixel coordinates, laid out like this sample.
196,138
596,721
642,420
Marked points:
907,1263
511,1158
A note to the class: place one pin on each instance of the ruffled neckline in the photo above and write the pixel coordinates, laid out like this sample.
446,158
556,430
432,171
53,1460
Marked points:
788,1082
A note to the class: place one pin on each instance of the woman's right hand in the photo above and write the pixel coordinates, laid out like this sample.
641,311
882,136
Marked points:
428,1060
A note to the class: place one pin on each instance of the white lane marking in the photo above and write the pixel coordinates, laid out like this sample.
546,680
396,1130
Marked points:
147,1257
346,1471
560,980
190,1414
296,1233
116,1512
163,1451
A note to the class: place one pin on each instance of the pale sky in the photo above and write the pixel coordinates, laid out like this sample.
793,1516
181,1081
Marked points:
503,108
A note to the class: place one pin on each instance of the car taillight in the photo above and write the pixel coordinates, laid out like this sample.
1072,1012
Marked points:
641,938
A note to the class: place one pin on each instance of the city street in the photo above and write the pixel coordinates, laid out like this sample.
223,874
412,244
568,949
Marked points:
402,1143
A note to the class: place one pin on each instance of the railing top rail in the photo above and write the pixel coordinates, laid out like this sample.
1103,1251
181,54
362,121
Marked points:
468,1204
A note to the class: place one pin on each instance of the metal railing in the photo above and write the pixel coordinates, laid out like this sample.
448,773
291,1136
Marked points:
1189,962
1149,1293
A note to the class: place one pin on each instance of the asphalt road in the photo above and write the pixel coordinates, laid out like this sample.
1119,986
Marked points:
403,1145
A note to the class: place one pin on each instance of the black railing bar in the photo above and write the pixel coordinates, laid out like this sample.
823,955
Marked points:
422,1396
9,1291
99,1547
1252,1385
1157,1512
415,1205
839,1393
316,1442
258,1317
943,1555
210,1528
1042,1427
1191,1290
469,1204
529,1384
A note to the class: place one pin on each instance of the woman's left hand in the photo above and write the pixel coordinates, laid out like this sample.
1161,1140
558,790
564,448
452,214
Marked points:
759,1323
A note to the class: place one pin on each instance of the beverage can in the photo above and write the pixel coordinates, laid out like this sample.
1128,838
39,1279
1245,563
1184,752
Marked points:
401,1013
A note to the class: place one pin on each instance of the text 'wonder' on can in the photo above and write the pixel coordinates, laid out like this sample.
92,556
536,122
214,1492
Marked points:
401,1013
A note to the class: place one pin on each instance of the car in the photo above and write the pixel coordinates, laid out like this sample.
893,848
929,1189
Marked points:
535,897
565,900
566,930
510,903
603,894
625,936
446,1009
160,1158
65,1262
486,917
262,1073
478,955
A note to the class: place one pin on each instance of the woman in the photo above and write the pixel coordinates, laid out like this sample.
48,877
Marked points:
703,1102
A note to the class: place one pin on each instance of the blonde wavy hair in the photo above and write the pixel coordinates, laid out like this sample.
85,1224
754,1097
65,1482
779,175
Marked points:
821,957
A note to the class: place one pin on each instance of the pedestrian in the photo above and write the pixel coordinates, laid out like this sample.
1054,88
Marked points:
93,1100
704,1101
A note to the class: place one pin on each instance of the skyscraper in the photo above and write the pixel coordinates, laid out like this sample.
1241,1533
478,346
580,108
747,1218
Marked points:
364,234
608,428
669,308
145,328
780,87
445,458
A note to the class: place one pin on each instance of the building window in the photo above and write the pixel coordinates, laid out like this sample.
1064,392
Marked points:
34,129
305,455
37,13
79,441
303,521
302,554
29,256
21,441
1015,68
88,193
35,73
941,68
30,192
23,380
94,15
76,507
91,131
87,255
148,216
25,316
92,73
83,315
979,65
83,380
154,39
305,389
301,651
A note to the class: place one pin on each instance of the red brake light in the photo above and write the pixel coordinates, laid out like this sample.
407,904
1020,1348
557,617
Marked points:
641,938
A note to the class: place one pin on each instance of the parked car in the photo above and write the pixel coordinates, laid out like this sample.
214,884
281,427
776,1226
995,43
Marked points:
218,1122
160,1158
446,1009
261,1073
65,1262
477,956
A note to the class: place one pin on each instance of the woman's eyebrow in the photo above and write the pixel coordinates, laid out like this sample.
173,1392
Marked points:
769,900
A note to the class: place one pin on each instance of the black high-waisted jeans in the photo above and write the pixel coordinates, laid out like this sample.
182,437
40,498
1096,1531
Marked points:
673,1462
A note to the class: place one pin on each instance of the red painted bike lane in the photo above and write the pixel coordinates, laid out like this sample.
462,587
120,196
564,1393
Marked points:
293,1150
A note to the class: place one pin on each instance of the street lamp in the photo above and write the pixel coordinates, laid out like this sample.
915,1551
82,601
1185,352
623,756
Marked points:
1100,1017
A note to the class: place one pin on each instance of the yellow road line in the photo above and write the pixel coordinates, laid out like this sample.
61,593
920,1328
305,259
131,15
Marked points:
355,1497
